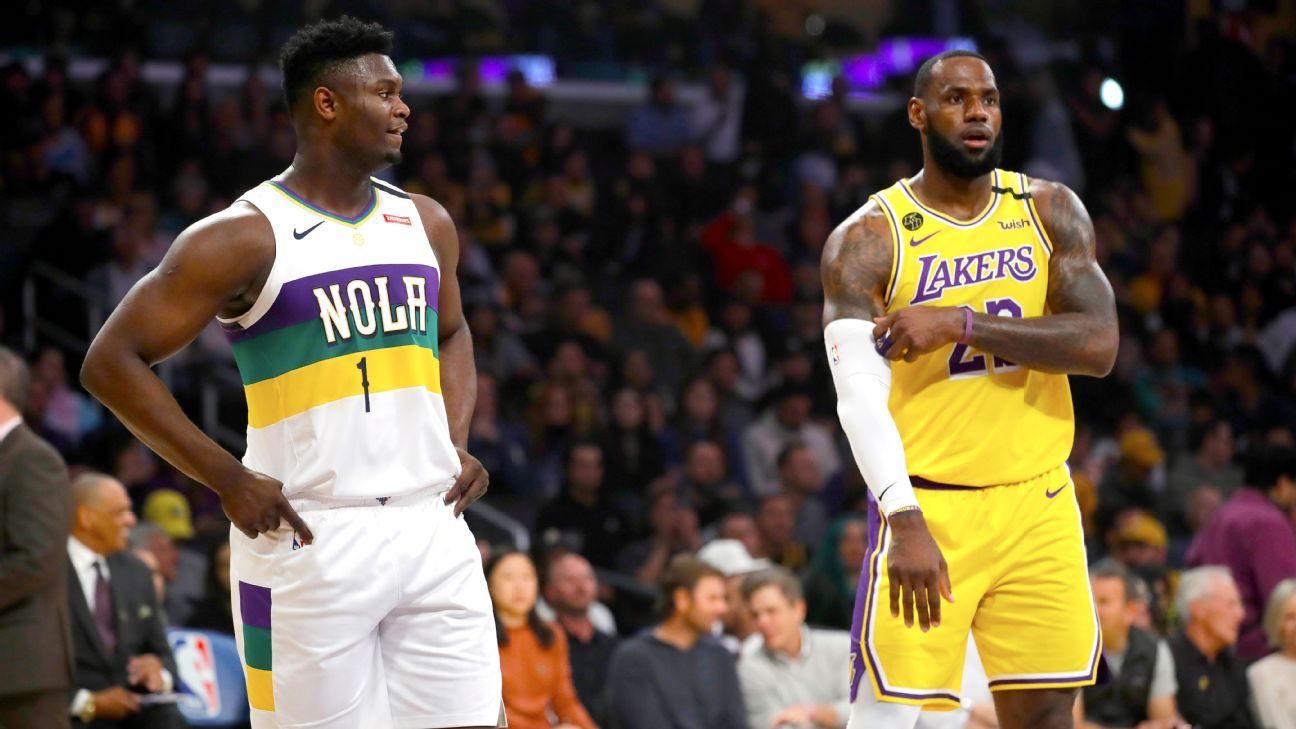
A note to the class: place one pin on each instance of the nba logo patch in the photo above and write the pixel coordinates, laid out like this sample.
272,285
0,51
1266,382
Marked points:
296,542
836,355
197,666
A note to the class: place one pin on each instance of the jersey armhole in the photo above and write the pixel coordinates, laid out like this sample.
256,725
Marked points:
1035,216
269,290
897,259
415,217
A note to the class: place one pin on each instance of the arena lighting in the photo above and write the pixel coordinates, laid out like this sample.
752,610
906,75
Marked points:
815,24
538,70
1111,93
870,71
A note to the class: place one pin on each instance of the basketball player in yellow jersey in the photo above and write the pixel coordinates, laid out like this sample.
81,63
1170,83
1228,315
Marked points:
957,302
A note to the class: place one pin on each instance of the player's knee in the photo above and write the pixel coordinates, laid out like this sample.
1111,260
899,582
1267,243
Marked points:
867,713
1037,710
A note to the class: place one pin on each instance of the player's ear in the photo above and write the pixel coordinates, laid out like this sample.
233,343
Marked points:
917,117
326,102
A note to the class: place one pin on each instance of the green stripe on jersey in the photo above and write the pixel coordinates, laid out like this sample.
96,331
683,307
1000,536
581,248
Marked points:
293,347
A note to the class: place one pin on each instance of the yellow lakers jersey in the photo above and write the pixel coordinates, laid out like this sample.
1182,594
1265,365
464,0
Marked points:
967,417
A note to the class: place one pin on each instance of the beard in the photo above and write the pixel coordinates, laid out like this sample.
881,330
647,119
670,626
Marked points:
958,162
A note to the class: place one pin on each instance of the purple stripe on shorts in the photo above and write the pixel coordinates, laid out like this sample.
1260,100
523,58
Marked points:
254,605
1097,668
860,624
862,591
296,301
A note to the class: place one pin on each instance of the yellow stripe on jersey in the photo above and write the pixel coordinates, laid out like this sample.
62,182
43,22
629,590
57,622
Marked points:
291,393
897,254
967,417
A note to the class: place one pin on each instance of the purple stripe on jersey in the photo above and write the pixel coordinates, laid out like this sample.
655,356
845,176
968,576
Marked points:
254,605
296,301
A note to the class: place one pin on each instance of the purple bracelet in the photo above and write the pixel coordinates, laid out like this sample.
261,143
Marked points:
967,327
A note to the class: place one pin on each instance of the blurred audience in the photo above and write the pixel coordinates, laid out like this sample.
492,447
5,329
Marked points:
1213,691
570,589
1141,689
676,675
735,563
1273,676
119,637
791,675
1254,536
533,653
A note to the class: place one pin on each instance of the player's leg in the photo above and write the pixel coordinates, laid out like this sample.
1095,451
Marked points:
1037,630
306,623
1035,708
867,712
903,666
439,645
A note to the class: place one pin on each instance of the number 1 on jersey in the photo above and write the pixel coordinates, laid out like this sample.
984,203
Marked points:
362,365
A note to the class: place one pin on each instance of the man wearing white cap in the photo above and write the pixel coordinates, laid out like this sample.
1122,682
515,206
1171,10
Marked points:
732,558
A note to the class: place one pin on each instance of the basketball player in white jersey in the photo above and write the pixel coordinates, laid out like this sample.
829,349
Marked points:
359,597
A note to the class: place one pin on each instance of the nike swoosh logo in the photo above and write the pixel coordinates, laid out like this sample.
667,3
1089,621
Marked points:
306,232
919,241
1051,494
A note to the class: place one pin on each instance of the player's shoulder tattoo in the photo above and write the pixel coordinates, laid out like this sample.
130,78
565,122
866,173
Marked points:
856,265
1064,218
1076,283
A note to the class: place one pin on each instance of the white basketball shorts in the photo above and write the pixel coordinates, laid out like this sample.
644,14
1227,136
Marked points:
383,622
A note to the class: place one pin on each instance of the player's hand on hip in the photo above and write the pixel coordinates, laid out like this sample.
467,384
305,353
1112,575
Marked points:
908,333
255,503
917,571
471,485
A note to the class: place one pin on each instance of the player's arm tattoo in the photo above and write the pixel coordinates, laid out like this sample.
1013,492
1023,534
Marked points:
1079,333
856,266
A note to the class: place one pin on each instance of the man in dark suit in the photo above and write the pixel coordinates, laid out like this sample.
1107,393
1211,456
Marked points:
120,642
35,510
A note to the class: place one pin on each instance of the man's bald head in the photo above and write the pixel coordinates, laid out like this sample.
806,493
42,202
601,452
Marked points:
103,512
88,489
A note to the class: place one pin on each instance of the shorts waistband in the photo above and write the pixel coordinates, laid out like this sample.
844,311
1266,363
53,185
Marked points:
924,483
412,498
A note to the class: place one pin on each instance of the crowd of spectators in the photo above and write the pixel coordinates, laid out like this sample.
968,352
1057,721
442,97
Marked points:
646,311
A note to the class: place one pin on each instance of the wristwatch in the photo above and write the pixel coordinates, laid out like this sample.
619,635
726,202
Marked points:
88,711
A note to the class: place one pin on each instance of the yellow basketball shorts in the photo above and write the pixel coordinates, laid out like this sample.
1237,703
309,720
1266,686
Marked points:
1020,579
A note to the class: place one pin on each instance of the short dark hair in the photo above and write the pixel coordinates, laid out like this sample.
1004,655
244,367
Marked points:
780,577
1199,432
923,77
570,454
788,450
1110,569
1266,463
683,572
320,48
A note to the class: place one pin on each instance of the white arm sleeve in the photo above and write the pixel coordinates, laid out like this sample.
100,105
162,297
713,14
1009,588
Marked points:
863,381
